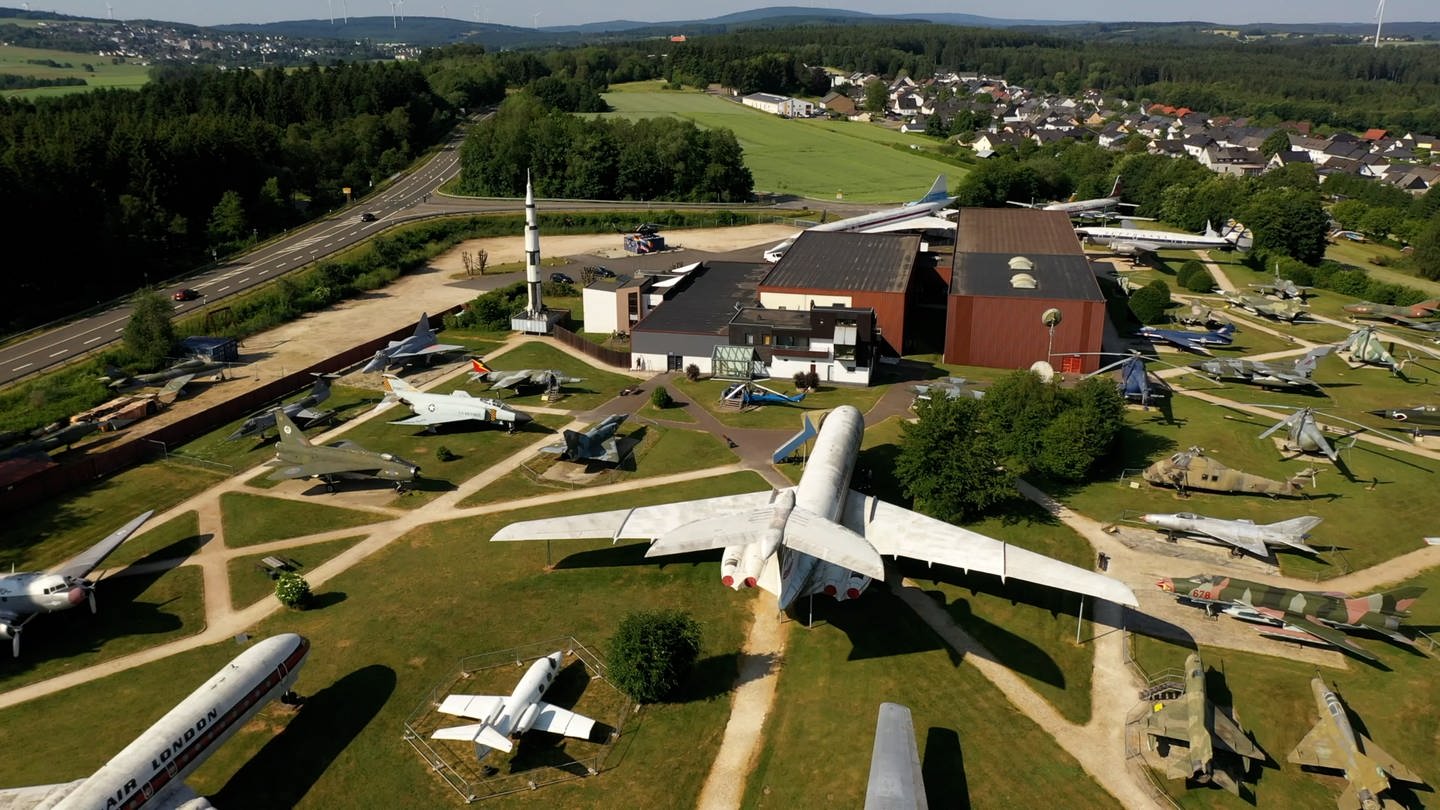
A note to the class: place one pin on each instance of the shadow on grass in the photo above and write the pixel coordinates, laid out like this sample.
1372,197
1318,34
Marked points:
285,769
878,624
943,770
629,554
320,601
711,677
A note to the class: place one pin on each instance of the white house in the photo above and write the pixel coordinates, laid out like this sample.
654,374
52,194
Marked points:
779,105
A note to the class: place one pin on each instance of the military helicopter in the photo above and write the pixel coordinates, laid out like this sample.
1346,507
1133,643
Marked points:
1137,384
1364,346
1192,469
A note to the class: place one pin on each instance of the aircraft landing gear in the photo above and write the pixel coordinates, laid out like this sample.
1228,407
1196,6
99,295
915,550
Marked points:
292,698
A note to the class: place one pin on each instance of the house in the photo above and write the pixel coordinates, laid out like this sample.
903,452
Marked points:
779,105
837,102
838,343
987,143
1232,160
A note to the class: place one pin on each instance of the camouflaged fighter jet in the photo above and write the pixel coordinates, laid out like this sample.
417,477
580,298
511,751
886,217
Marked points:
546,378
1335,744
1405,316
1305,616
1270,308
1273,376
596,444
296,457
1194,722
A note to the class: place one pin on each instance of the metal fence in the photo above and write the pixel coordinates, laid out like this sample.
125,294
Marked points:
498,672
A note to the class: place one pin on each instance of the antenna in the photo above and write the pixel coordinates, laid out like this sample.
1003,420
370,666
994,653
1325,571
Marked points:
1379,21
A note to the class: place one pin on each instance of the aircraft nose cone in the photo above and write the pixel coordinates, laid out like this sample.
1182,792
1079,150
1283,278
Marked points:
1165,585
522,418
75,596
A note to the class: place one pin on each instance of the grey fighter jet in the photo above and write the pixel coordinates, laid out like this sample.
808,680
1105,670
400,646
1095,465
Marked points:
546,378
420,346
296,457
1241,535
595,444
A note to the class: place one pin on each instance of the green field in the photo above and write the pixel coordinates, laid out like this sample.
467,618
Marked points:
248,583
13,60
706,394
254,519
819,159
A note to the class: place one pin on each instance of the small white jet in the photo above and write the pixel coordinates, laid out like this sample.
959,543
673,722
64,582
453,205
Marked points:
441,409
419,346
505,718
27,594
1241,535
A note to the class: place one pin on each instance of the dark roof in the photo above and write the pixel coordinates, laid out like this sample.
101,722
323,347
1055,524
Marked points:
704,302
841,260
774,318
1057,277
1016,232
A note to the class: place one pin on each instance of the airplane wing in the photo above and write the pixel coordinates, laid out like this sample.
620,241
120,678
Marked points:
1172,721
37,796
918,223
1391,765
81,565
556,720
478,733
1319,748
897,531
436,348
431,418
1136,246
474,707
176,384
612,451
1256,547
1308,626
895,777
1230,737
511,378
315,468
640,523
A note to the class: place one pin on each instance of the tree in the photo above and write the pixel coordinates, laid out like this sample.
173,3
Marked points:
652,652
1350,213
1288,222
949,463
1083,433
1200,282
661,398
292,590
1427,249
1279,141
1148,304
1188,269
227,222
877,97
149,335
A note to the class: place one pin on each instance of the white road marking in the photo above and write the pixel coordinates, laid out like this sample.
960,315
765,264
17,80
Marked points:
92,340
57,354
223,289
121,329
243,280
18,368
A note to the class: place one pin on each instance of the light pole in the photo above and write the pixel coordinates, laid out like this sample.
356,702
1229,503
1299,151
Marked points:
1051,319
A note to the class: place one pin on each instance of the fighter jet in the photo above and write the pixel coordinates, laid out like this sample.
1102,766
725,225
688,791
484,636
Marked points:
457,406
1241,535
27,594
547,378
1278,310
261,421
419,346
175,377
895,782
503,718
1194,722
1192,469
1411,419
1190,341
595,444
1407,316
817,537
948,387
1334,744
55,436
296,457
1300,615
1266,375
1282,288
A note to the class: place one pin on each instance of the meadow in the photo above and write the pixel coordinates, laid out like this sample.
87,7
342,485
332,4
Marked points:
15,60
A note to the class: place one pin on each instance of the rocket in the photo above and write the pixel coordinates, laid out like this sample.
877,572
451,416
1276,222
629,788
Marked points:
533,302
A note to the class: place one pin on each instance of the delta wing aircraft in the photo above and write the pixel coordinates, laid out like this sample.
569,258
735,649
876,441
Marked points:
149,773
1194,722
1300,615
914,214
296,457
1335,744
896,781
421,345
261,421
547,378
1241,535
27,594
175,377
596,444
505,718
432,410
819,536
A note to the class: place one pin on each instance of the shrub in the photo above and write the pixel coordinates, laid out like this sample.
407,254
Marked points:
661,398
1148,304
812,381
443,453
692,372
1200,282
652,652
1188,271
799,380
292,590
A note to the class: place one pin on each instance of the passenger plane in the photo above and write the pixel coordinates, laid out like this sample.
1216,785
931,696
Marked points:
909,215
149,772
1082,206
1134,241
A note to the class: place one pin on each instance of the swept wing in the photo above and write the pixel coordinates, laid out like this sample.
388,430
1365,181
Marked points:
1310,626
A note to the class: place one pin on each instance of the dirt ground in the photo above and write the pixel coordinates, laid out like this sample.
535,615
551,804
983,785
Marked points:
507,249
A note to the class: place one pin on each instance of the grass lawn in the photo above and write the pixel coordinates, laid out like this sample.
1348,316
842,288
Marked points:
816,158
134,613
706,393
396,625
1364,255
674,413
14,60
177,537
254,519
819,734
598,387
249,584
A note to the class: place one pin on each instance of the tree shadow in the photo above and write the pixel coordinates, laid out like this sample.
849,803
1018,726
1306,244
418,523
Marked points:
285,769
711,677
320,601
943,770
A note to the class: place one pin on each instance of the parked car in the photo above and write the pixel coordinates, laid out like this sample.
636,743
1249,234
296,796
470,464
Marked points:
561,278
367,217
603,272
186,294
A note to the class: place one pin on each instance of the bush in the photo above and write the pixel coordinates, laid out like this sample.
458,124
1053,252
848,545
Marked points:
661,398
800,381
692,372
443,453
1200,282
812,381
292,590
652,652
1148,304
1188,271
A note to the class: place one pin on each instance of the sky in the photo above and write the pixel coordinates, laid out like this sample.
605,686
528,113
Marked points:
565,12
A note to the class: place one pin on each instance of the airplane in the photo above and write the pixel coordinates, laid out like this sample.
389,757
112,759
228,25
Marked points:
149,772
53,437
261,421
1282,288
296,457
1190,341
1334,744
547,378
914,214
1299,615
595,444
503,718
1420,415
1288,311
755,394
1135,241
440,409
896,782
819,536
27,594
949,387
1266,375
1406,315
175,377
1198,315
1192,469
1241,535
1075,207
1194,722
419,346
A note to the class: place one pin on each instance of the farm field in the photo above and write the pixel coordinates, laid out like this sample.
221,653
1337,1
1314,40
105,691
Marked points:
818,159
14,60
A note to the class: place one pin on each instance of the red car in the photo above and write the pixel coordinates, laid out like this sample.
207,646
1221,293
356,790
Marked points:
186,294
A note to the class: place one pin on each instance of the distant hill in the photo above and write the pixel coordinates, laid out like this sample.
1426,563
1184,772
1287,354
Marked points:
412,30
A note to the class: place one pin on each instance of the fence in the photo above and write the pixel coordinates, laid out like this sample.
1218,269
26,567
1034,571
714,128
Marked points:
610,357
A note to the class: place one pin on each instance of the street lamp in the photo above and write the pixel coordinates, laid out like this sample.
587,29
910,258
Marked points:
1051,319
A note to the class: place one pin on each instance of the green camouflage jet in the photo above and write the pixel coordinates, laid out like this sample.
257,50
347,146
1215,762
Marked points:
1193,721
1304,616
296,457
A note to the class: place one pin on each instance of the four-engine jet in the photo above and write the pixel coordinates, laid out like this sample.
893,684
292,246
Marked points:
441,409
26,594
547,378
596,444
296,457
914,214
261,421
1241,535
150,771
503,718
1194,722
1135,241
817,537
1335,744
1265,374
896,782
1190,341
1076,207
1300,615
419,346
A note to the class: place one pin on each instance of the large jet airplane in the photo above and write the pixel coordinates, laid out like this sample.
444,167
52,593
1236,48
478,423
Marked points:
817,537
1074,207
914,214
27,594
149,772
503,718
1134,241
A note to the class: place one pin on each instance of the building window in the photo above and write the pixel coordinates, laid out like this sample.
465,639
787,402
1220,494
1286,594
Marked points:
749,338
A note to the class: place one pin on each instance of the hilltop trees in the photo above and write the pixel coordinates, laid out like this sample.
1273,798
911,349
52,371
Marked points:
149,335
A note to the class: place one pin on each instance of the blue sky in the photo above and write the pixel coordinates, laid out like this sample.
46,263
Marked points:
561,12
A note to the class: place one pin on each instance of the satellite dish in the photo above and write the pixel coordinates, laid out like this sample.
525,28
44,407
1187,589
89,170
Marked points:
1050,317
1045,371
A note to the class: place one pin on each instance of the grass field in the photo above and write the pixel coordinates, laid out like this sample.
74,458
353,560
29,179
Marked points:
254,519
1363,255
177,537
14,60
819,159
249,584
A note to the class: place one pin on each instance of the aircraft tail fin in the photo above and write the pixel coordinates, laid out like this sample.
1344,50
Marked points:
1115,189
1210,229
937,193
477,366
1298,528
1306,365
1399,600
809,533
289,434
395,385
422,329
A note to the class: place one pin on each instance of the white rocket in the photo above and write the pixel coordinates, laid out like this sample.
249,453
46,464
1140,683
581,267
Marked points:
502,718
533,304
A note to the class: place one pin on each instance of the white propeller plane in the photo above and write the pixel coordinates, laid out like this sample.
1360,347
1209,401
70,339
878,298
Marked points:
503,718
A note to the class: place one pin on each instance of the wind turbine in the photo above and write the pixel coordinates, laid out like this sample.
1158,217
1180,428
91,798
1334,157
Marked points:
1379,21
330,5
535,21
109,12
394,21
345,5
400,4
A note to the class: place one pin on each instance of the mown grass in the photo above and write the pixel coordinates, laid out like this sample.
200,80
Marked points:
177,537
597,385
249,584
254,519
706,393
14,60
